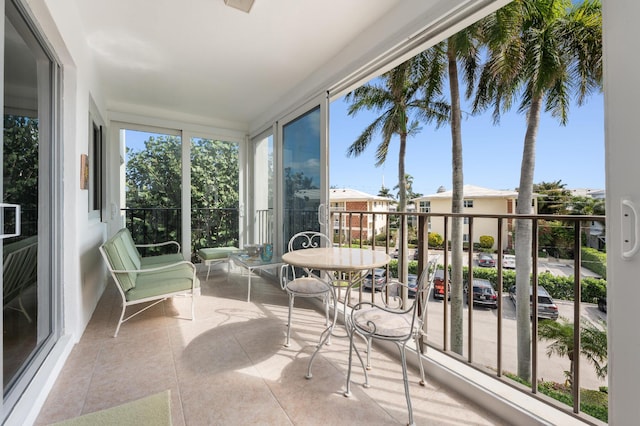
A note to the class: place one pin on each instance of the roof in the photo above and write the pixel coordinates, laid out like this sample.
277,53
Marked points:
471,191
344,194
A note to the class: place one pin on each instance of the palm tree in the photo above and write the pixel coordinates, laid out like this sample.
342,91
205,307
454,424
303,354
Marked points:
593,341
442,63
542,52
385,192
396,94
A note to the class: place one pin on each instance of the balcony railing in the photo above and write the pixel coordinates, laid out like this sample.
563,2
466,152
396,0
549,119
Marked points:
210,227
489,340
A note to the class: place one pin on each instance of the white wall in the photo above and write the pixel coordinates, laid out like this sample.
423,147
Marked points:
622,151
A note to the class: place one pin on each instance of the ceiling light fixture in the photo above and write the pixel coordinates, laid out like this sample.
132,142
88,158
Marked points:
243,5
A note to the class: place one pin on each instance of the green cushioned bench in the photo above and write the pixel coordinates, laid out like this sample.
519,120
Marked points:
147,279
213,255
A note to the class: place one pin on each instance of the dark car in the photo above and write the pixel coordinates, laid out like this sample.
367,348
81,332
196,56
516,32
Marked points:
484,294
602,304
379,277
416,254
486,260
438,285
547,309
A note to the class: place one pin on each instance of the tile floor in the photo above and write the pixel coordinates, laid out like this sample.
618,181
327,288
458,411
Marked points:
229,366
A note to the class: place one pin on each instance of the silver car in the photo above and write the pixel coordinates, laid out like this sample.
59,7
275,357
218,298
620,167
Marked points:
547,309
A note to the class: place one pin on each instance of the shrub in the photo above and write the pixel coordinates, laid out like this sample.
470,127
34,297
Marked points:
435,239
595,261
486,241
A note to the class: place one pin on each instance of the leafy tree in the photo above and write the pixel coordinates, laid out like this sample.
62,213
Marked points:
541,52
153,175
554,197
589,206
20,169
593,343
153,181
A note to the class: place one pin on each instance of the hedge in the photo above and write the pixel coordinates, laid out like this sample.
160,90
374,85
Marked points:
558,287
595,261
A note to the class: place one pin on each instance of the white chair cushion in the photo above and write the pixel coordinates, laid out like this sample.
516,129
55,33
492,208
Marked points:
307,286
383,323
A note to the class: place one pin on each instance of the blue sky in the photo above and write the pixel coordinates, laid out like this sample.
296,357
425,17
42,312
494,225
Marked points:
492,153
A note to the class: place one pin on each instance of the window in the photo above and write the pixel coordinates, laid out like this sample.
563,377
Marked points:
97,166
468,204
465,238
466,220
425,206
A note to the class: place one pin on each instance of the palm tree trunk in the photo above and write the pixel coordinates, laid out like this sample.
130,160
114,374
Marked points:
457,195
403,264
523,240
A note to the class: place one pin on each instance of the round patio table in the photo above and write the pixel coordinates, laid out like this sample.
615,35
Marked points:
347,260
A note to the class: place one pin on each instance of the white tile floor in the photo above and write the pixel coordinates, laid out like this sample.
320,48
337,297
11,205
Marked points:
229,366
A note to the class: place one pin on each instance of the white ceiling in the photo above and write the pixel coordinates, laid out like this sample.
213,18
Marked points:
204,59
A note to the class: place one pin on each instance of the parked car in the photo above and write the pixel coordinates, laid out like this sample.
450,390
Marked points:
412,283
379,277
438,285
509,261
547,309
486,260
602,304
484,293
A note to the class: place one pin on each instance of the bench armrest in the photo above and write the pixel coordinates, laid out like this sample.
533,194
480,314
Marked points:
158,268
161,244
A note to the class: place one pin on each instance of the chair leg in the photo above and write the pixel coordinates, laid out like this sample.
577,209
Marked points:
288,343
347,393
124,307
419,352
405,379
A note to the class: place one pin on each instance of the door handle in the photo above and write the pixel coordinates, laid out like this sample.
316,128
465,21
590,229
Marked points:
17,230
630,239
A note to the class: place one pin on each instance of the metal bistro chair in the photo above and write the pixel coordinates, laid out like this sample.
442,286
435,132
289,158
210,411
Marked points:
304,282
398,325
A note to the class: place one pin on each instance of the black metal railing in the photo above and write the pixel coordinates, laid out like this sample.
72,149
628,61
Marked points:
575,293
210,227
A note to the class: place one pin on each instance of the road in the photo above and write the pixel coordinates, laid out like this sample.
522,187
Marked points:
485,348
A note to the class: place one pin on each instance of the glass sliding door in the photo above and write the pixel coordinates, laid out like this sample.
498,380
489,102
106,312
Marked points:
31,180
215,177
304,169
263,191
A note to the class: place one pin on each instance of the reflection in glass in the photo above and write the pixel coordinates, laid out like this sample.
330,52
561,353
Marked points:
20,153
263,191
302,171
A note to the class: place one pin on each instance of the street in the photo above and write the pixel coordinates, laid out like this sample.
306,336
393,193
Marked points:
485,349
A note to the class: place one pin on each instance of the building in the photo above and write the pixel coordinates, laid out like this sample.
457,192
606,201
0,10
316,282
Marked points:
362,225
477,200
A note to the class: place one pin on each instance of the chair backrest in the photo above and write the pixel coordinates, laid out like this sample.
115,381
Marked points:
20,266
308,239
